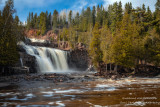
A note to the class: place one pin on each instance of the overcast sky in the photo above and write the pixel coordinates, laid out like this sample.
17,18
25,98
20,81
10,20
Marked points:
23,7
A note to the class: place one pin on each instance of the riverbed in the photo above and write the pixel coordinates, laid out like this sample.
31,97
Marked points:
83,90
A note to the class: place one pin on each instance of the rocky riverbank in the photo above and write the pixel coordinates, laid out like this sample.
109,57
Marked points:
72,77
35,77
123,72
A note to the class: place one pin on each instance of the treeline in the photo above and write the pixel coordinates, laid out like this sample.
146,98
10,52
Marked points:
11,31
122,37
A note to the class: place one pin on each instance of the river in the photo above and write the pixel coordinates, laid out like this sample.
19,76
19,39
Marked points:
92,91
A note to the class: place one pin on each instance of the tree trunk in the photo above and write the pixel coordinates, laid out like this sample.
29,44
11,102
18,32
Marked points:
110,67
2,69
115,68
141,62
106,67
145,62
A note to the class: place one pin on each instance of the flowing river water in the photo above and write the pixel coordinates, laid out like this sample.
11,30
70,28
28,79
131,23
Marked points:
129,92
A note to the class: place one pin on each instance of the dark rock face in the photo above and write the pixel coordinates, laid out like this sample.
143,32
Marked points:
27,41
79,58
26,65
28,61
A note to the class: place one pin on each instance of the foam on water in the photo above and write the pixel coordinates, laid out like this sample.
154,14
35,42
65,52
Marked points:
68,91
37,40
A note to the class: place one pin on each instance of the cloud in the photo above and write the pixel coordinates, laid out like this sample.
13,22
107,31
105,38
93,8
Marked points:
135,3
79,5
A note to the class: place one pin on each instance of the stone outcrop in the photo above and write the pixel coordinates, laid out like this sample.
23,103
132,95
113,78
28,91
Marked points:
35,33
28,62
79,58
25,65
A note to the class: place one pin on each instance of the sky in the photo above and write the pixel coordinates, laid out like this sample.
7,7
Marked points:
23,7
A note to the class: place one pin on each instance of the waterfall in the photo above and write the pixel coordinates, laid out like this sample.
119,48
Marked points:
21,62
48,59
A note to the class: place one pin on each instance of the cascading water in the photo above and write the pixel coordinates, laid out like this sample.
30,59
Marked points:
21,62
48,59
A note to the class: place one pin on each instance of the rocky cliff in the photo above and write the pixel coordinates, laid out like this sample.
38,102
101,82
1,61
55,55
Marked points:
79,59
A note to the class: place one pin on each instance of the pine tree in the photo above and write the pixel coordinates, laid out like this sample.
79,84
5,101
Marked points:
55,19
93,16
64,20
18,29
143,8
109,12
157,10
1,22
29,21
99,16
70,17
8,46
94,48
17,20
120,11
43,23
34,20
149,17
77,21
106,42
114,18
77,18
128,7
122,47
37,24
89,19
49,21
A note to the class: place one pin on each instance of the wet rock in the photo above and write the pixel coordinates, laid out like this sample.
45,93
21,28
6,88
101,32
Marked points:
71,78
114,77
86,76
20,70
27,41
79,58
29,62
35,77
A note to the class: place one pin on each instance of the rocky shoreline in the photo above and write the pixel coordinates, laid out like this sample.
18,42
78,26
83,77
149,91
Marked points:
28,80
35,77
122,72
